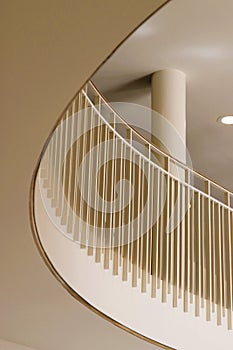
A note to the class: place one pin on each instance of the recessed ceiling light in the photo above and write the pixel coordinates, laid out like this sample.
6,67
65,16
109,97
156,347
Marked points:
227,119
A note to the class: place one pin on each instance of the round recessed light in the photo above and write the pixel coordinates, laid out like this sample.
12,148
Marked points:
227,119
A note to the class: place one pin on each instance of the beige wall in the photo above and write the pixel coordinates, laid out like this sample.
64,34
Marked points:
48,49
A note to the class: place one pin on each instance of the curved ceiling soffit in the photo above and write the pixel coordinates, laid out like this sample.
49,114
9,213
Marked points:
33,224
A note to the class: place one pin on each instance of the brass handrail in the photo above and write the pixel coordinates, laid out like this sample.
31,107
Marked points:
158,150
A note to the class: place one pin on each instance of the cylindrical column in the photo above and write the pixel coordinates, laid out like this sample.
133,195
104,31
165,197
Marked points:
169,100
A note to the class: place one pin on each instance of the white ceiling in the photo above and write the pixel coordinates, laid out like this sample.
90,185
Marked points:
48,50
195,37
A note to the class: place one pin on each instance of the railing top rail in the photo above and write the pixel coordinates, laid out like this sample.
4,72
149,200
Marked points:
163,153
166,172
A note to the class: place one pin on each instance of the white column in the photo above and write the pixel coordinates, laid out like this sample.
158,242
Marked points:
169,100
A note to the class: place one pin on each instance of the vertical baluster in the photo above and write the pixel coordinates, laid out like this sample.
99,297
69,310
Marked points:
57,180
186,262
77,159
139,196
203,270
168,232
76,218
197,252
95,193
73,198
127,208
217,262
79,156
175,247
231,245
164,238
103,186
223,262
55,166
112,162
227,219
211,265
78,226
105,240
121,170
182,240
99,182
191,246
207,234
65,177
159,187
172,233
115,221
91,180
141,231
49,183
106,192
134,226
47,180
130,217
116,255
112,186
149,218
153,223
125,255
161,228
72,171
213,249
83,182
187,246
60,165
143,234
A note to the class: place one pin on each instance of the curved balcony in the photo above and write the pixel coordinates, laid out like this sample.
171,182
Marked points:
107,199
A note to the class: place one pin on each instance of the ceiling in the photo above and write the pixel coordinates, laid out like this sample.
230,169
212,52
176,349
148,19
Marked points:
48,50
195,37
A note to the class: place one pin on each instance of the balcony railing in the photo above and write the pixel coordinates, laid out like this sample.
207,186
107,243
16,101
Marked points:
167,226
